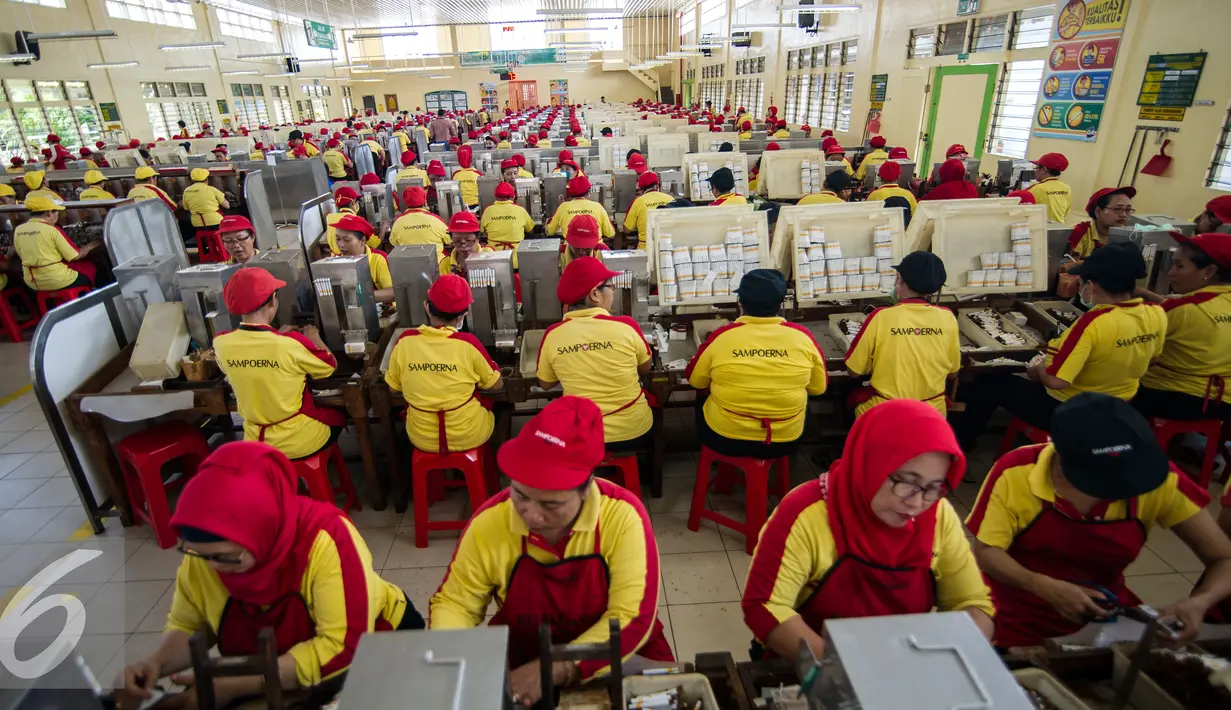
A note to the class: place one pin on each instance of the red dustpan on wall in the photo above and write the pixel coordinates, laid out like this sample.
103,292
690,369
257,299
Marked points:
1159,163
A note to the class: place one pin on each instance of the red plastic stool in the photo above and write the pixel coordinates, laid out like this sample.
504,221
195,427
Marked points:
1017,426
142,456
477,474
9,324
756,476
314,470
1211,429
210,248
628,474
48,300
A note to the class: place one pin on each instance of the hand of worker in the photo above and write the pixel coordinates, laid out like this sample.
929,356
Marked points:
312,333
1074,602
526,686
1189,612
1034,372
138,679
288,329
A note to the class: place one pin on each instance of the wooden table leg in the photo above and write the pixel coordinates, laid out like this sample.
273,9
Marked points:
382,408
656,453
357,407
106,464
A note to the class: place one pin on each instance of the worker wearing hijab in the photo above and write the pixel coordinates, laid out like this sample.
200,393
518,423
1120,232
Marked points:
836,154
1049,190
649,197
598,356
505,222
268,370
889,173
1054,522
50,261
874,158
93,191
351,234
953,183
467,178
1189,380
256,556
579,202
872,537
1107,208
557,544
336,162
418,225
148,189
203,201
411,171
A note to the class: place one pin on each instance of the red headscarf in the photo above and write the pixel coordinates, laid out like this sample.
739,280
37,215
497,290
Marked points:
887,436
464,156
245,492
953,184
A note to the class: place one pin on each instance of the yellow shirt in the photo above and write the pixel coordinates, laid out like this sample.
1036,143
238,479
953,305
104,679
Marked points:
797,549
492,545
313,151
43,249
439,370
1197,346
45,192
910,349
1056,195
884,192
95,193
468,185
14,169
1108,349
760,372
446,263
151,192
506,223
639,211
419,226
595,355
403,140
413,173
504,145
378,266
91,164
256,155
583,142
331,232
824,197
558,225
339,578
204,201
268,372
872,160
746,135
781,133
335,163
377,149
1013,494
731,198
544,143
845,162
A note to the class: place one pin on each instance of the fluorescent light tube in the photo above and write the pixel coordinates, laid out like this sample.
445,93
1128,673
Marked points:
241,72
192,45
440,76
617,11
73,34
326,60
819,9
379,35
285,73
267,55
10,58
567,30
188,67
763,26
351,66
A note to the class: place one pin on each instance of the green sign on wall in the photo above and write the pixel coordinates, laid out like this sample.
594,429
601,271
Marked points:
967,7
503,57
319,35
110,113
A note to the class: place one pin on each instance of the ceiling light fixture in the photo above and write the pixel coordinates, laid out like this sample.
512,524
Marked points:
592,43
266,55
241,72
191,45
188,67
71,35
351,66
567,30
440,76
763,26
365,81
285,73
381,35
555,12
27,57
326,60
819,9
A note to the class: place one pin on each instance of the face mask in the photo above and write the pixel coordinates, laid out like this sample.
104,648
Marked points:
1085,301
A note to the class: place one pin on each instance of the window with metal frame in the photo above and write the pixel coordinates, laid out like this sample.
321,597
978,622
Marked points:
281,104
922,43
157,12
849,51
848,96
250,104
31,109
165,115
833,56
712,11
989,33
245,25
1013,113
1219,174
1032,27
45,3
347,107
829,101
688,19
951,39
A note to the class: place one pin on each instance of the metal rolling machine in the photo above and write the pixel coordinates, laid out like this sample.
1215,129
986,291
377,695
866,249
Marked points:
539,263
413,268
289,266
147,279
201,290
493,316
346,303
632,287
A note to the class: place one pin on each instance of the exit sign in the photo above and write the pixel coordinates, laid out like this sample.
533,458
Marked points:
507,28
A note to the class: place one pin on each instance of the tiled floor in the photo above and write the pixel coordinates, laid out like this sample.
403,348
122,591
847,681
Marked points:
126,587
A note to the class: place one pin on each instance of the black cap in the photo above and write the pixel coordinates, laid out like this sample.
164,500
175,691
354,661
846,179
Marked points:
726,147
1106,447
723,180
922,271
295,135
838,180
606,131
1114,267
762,287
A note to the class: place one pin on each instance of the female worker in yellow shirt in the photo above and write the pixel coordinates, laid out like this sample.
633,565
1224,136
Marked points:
1109,207
256,556
872,537
352,233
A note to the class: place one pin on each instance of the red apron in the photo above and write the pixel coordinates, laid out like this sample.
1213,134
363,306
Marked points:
1071,548
571,595
766,422
865,393
307,407
1215,388
241,622
854,587
441,431
86,268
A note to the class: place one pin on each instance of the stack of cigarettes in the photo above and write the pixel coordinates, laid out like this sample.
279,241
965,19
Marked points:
990,322
672,699
481,277
821,268
810,178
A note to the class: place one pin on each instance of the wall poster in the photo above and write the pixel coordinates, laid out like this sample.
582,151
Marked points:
558,90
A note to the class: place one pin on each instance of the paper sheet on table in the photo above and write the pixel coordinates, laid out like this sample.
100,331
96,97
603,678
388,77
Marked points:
138,407
1103,635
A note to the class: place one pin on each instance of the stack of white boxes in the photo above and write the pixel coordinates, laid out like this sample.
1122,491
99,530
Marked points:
822,269
706,270
618,150
811,176
1006,268
699,175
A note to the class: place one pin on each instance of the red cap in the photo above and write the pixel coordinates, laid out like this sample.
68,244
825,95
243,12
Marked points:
569,162
333,143
647,179
436,168
570,140
409,157
17,161
834,149
234,223
505,191
715,129
1131,192
324,131
463,222
746,125
260,145
344,196
636,162
247,289
521,160
578,186
354,223
337,135
85,151
99,144
1053,161
508,163
1216,245
134,143
827,133
53,138
1024,197
503,135
565,155
898,154
542,135
889,171
954,150
559,448
369,179
450,293
773,146
582,275
828,141
414,196
877,141
582,232
1220,207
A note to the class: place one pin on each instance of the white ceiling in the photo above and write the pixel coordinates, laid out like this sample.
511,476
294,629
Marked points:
397,13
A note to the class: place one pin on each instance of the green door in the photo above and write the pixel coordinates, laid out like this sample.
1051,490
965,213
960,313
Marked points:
959,111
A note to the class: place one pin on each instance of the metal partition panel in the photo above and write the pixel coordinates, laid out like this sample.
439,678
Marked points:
289,184
257,200
72,343
364,162
145,228
312,220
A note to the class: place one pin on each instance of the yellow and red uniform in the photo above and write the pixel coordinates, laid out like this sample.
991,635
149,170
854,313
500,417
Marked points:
438,372
566,256
595,355
760,372
331,231
1084,239
558,224
1057,196
335,163
1108,349
824,197
612,524
468,184
872,160
506,224
44,249
884,192
419,226
204,201
1196,354
446,262
378,266
95,193
347,598
152,192
413,173
268,371
730,198
910,349
639,211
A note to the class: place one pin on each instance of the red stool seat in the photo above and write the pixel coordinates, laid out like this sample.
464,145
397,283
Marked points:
626,467
314,470
478,472
756,477
48,300
1166,429
1017,426
142,456
9,325
210,248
